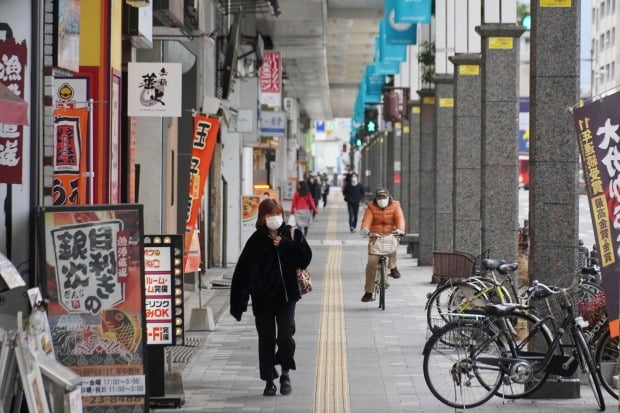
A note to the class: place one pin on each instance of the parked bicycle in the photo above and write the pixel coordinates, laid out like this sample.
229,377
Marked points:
470,359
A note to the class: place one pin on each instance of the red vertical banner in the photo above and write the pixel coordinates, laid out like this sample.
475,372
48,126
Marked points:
203,146
597,125
70,156
270,79
13,60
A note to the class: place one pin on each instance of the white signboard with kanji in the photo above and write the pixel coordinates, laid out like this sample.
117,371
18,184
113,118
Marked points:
154,89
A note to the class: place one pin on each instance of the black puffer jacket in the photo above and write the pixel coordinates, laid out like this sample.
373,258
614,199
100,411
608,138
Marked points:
258,274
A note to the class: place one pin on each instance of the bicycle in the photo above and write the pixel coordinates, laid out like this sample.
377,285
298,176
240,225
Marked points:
383,246
483,354
461,296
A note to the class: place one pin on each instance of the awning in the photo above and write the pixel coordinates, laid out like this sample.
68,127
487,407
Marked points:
13,109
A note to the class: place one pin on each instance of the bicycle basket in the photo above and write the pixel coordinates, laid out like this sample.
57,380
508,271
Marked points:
385,245
452,264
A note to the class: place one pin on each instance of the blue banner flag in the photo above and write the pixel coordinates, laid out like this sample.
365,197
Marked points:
390,52
398,33
412,11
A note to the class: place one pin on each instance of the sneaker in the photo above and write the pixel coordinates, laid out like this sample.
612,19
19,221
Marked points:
285,384
270,389
394,273
352,229
367,297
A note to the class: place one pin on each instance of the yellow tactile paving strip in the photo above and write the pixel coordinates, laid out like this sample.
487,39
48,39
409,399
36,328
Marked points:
331,392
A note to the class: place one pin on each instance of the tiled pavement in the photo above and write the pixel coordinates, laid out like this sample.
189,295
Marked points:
383,348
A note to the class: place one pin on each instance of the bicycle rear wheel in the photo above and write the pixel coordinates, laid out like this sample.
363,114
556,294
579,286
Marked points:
607,353
588,367
453,372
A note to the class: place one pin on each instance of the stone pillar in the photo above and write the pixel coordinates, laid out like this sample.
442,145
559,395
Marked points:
443,155
500,131
554,199
413,154
396,168
405,199
427,179
390,150
467,151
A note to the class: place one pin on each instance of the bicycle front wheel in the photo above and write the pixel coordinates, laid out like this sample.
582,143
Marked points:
607,354
382,281
587,366
467,372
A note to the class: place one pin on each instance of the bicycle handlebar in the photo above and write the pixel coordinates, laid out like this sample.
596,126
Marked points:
377,235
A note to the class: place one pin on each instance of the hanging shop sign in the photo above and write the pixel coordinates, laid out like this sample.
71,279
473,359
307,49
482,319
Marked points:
270,80
272,123
203,145
154,89
70,162
93,262
597,125
13,60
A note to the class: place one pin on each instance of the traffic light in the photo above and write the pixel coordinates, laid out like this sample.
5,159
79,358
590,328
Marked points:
526,22
371,117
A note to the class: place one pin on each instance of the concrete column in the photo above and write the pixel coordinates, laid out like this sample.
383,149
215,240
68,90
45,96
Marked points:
405,199
500,129
396,177
443,155
554,86
427,180
390,151
413,156
467,152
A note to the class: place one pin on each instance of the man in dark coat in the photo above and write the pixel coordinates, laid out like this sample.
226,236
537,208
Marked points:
353,194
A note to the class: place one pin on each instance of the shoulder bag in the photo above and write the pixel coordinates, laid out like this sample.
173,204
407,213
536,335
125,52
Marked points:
304,282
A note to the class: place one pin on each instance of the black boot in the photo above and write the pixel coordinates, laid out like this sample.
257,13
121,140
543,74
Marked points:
270,389
285,383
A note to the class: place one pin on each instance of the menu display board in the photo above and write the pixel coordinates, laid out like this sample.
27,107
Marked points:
92,258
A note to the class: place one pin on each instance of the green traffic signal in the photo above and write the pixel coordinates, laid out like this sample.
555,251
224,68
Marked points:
370,126
526,22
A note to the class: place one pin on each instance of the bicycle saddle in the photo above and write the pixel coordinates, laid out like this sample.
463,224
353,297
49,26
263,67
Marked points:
499,310
500,265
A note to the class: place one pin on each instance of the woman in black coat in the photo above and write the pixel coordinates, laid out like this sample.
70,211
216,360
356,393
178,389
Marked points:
266,271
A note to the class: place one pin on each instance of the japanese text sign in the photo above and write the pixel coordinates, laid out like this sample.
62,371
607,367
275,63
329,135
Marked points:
154,89
597,125
92,258
13,60
270,79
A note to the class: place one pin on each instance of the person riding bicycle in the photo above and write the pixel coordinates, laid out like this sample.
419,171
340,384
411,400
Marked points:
383,216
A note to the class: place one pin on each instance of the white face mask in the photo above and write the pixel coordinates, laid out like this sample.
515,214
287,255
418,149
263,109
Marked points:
354,181
383,202
274,222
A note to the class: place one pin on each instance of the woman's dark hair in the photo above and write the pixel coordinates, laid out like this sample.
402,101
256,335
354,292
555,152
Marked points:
267,207
303,188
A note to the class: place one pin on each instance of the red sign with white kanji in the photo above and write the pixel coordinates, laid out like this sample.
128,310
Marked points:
270,78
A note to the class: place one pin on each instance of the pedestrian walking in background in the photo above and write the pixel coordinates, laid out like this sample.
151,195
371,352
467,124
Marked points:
266,271
382,216
353,192
303,207
324,189
315,190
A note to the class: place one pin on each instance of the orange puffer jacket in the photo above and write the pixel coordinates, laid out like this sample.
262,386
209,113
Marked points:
383,220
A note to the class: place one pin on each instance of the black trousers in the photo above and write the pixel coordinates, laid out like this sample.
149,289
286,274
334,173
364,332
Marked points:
275,326
353,209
